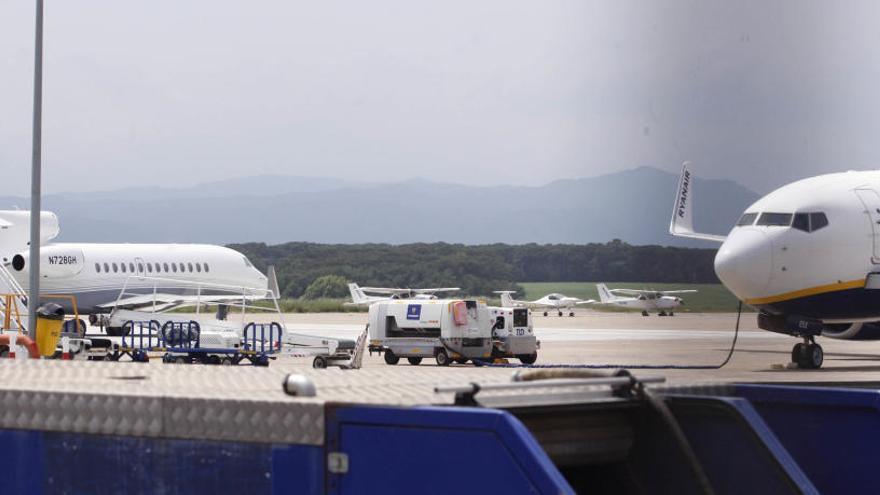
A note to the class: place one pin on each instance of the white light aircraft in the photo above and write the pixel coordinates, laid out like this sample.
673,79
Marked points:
806,255
663,301
359,295
96,274
555,301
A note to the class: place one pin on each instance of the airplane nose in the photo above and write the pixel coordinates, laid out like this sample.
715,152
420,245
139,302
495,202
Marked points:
744,263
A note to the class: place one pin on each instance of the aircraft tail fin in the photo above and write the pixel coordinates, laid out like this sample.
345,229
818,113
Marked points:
682,222
273,281
604,294
506,298
357,294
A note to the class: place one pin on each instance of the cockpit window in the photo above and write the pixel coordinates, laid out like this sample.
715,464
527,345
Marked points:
817,221
775,219
746,219
801,222
247,262
809,222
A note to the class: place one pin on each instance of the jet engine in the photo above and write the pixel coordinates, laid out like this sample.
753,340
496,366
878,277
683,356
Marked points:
853,331
799,326
60,262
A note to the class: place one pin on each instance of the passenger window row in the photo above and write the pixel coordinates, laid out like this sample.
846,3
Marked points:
147,268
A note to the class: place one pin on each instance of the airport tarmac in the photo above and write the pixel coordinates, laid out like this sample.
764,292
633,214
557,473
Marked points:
630,339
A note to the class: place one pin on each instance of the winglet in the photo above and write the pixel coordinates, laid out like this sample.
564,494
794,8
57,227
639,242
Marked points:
273,282
682,223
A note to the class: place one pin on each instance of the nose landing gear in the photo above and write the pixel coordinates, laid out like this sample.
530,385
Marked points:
808,355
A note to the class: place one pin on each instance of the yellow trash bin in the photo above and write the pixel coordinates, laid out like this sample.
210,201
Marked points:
50,319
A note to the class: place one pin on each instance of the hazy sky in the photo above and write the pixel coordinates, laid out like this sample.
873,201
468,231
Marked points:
496,91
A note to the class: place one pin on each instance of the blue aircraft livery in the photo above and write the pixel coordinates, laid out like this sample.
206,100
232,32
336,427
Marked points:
414,312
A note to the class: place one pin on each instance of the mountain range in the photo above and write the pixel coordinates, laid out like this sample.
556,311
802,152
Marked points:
632,205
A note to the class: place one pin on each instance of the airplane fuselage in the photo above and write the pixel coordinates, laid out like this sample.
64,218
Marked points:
96,273
556,301
661,303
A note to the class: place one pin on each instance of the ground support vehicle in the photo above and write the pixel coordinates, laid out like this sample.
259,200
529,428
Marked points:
513,335
449,330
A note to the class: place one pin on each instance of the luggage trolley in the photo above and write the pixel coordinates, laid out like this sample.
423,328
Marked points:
182,340
257,348
138,339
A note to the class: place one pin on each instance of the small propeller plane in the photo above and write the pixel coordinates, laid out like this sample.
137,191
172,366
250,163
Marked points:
554,301
664,301
359,295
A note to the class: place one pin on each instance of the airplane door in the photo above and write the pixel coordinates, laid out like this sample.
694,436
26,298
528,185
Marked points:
871,200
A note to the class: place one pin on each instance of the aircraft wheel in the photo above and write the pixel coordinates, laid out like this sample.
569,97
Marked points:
644,313
319,363
560,313
442,358
796,352
545,313
813,356
414,360
571,314
391,358
528,358
80,327
662,313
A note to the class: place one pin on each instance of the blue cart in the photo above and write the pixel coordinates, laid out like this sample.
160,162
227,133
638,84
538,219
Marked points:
138,339
183,344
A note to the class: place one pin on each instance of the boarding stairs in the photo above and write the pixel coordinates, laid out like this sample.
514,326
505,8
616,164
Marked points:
13,303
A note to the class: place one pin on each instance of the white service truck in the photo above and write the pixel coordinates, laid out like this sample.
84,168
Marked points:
513,334
446,329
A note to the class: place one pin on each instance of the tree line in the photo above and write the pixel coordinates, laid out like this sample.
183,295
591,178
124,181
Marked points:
478,270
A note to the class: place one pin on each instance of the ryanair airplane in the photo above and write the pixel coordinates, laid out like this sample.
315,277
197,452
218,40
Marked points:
807,256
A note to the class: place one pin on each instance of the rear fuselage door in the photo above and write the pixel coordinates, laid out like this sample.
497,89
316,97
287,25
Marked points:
871,200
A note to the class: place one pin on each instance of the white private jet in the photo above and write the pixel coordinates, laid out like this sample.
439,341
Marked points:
663,301
96,274
555,301
359,294
806,255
